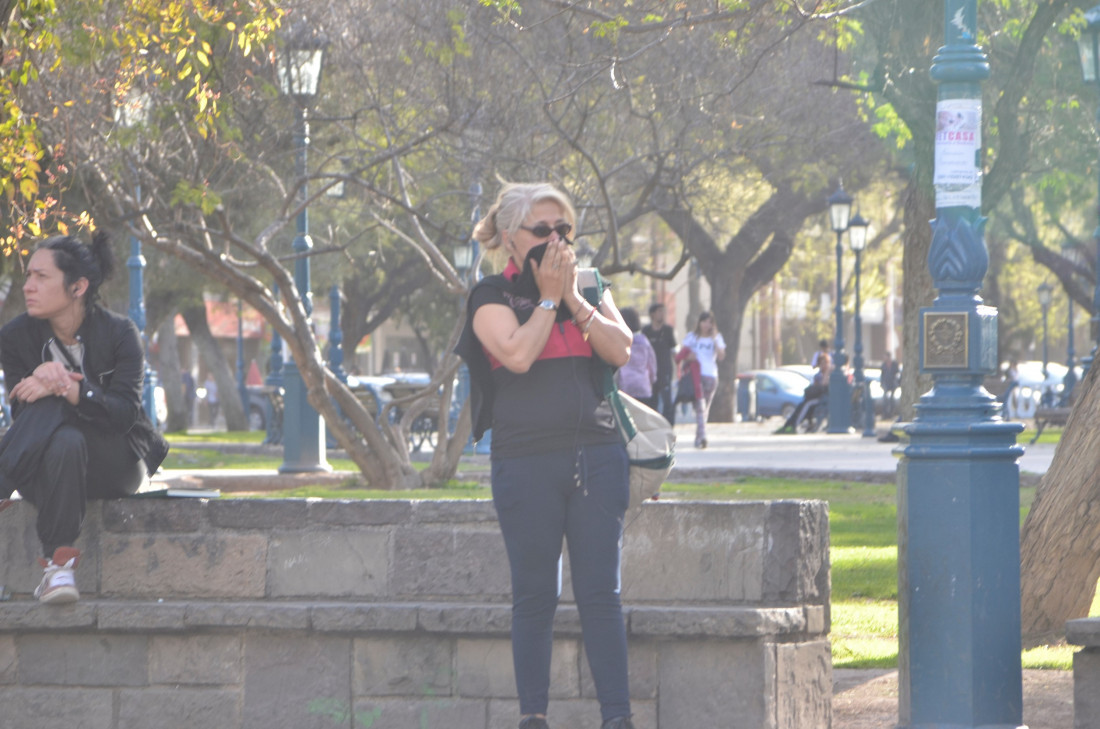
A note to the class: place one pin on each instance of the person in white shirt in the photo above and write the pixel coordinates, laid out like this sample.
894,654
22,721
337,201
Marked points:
703,349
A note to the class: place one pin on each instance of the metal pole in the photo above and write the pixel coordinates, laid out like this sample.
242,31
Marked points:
958,478
336,337
303,429
861,377
840,393
136,264
242,388
274,381
1070,380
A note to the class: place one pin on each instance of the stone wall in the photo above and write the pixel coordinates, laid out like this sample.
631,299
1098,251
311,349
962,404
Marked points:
1086,672
395,614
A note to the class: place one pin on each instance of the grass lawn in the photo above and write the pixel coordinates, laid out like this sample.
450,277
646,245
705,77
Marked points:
863,545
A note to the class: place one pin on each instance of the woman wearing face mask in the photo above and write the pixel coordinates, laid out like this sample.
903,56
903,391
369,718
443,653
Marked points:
559,468
74,372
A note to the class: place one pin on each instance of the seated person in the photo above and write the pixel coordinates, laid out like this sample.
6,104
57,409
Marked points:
74,373
817,389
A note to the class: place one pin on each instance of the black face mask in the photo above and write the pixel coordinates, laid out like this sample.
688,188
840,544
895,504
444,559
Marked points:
525,284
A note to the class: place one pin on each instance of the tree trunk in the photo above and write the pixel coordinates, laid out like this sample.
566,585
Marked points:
171,377
215,361
917,292
1061,536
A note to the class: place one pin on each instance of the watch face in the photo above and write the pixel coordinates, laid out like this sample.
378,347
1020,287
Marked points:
547,304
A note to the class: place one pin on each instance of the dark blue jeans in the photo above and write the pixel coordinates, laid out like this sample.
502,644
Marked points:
581,495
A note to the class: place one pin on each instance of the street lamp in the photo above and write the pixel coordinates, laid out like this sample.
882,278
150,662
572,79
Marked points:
299,72
857,241
1088,46
135,112
958,478
1046,295
840,393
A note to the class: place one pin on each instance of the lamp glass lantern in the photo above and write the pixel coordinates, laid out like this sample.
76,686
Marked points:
300,66
1087,44
857,232
840,207
1046,295
463,258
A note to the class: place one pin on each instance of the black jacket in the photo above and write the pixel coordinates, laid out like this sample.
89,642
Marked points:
113,369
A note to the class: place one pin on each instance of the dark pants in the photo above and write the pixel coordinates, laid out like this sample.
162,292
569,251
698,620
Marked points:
580,495
57,463
811,393
664,403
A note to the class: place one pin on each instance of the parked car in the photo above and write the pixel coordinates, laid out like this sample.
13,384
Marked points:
778,391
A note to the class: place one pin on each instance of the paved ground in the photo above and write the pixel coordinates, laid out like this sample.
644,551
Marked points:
869,699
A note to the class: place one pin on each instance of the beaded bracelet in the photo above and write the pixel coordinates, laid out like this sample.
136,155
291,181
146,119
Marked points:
580,322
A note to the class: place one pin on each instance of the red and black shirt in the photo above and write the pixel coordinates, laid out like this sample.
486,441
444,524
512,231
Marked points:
557,404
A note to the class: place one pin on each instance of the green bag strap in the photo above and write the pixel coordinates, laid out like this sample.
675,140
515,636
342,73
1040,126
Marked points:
593,294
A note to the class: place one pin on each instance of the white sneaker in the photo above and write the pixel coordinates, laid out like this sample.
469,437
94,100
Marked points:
58,585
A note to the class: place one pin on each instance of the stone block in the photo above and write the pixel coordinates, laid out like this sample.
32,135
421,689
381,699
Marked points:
179,707
796,563
295,681
695,552
20,547
55,708
359,513
445,561
210,659
803,685
701,680
716,622
82,659
485,670
258,513
413,666
365,617
1086,689
444,511
254,615
199,566
461,618
26,616
153,515
430,713
7,659
641,667
331,563
141,616
1084,632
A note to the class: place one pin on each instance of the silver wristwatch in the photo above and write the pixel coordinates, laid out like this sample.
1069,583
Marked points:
548,304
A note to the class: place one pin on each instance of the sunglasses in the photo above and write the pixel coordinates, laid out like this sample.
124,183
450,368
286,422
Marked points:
542,230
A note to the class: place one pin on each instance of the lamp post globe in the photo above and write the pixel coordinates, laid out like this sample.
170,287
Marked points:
840,394
857,241
299,72
1088,47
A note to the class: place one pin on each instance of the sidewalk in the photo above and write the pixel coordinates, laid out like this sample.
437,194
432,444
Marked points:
733,449
753,447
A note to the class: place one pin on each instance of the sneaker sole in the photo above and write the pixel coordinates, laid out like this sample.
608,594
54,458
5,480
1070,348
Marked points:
60,596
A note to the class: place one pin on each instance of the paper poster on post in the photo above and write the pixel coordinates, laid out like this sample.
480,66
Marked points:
958,175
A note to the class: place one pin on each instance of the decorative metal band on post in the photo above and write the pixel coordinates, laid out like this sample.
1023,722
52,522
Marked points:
958,480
